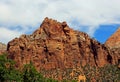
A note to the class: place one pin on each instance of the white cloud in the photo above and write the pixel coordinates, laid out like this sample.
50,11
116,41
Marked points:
90,13
6,34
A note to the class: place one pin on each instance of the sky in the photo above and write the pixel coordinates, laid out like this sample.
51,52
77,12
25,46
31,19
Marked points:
98,18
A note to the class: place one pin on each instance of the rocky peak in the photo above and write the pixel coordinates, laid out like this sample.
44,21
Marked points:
56,46
114,40
113,43
51,29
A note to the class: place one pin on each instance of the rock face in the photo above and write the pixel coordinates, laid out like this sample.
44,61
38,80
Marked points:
114,40
114,45
2,48
56,46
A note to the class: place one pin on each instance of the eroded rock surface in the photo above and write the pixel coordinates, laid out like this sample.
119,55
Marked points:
56,46
113,43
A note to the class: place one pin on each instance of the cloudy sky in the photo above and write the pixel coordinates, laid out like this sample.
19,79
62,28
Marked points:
99,18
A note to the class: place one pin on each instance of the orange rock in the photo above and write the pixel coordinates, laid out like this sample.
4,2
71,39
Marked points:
114,45
56,46
114,40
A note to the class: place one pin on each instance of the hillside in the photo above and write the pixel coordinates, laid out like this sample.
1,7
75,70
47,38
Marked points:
54,46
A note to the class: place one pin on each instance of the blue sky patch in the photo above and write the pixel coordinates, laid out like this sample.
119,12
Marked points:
105,31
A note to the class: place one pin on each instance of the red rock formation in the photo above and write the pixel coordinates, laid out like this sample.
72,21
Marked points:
56,46
114,40
114,44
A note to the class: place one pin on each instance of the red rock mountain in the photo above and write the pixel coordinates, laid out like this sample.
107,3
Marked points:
114,45
56,46
114,40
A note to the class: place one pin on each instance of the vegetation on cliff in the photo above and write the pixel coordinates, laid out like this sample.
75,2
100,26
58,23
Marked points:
8,73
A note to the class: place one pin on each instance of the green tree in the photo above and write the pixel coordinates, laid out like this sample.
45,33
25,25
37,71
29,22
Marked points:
7,70
31,75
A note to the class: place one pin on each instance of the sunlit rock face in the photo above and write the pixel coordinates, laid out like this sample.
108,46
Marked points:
114,40
113,43
54,45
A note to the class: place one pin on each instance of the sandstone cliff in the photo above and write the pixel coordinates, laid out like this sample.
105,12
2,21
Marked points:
114,40
55,46
113,43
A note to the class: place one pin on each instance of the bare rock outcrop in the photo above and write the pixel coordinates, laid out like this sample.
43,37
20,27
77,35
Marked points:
114,40
113,43
56,46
